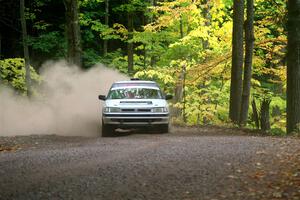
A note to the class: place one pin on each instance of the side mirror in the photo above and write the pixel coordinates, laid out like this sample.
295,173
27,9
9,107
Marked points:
168,97
102,97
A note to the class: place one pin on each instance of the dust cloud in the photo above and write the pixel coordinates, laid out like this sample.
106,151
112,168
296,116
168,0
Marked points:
68,104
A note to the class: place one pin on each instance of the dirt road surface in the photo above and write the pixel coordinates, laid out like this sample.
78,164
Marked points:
189,163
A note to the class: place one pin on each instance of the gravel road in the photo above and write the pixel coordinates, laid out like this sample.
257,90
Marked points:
186,164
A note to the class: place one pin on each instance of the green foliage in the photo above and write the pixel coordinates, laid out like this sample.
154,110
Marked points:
132,6
90,3
12,73
49,43
120,63
90,57
271,35
46,38
164,77
278,115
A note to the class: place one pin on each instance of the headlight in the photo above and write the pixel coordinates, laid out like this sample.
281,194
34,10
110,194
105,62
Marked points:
160,109
111,109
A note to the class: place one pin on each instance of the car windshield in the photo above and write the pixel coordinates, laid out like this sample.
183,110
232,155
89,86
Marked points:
134,93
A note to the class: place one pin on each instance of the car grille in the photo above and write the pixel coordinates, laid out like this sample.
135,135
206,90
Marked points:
136,120
136,110
133,115
136,102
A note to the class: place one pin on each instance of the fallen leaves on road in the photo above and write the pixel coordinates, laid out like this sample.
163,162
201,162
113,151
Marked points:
232,176
279,178
258,175
8,148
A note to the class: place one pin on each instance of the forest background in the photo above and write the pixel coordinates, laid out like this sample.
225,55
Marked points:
184,45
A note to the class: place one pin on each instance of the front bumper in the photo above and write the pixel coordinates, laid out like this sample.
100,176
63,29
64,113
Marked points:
135,119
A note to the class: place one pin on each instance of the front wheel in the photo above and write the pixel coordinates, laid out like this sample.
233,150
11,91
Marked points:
107,130
164,128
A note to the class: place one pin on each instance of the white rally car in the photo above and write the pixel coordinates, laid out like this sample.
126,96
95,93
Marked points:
134,104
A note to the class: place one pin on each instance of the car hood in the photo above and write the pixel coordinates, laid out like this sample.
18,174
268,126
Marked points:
136,103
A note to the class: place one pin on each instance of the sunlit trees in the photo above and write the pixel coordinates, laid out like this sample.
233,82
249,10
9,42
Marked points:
186,37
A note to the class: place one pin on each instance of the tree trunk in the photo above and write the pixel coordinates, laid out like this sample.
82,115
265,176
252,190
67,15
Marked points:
145,56
293,67
178,97
73,32
237,61
207,16
145,21
249,37
152,58
181,27
105,42
0,47
255,114
129,43
25,47
265,115
0,59
184,95
152,61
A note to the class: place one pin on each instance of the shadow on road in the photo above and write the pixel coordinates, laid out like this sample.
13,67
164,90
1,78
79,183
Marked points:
133,131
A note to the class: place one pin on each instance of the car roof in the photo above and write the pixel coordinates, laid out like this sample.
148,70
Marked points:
135,83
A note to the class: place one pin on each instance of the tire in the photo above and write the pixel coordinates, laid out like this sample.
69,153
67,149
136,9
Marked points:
164,128
107,130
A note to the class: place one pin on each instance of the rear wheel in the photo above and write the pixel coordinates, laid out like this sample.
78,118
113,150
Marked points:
107,130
